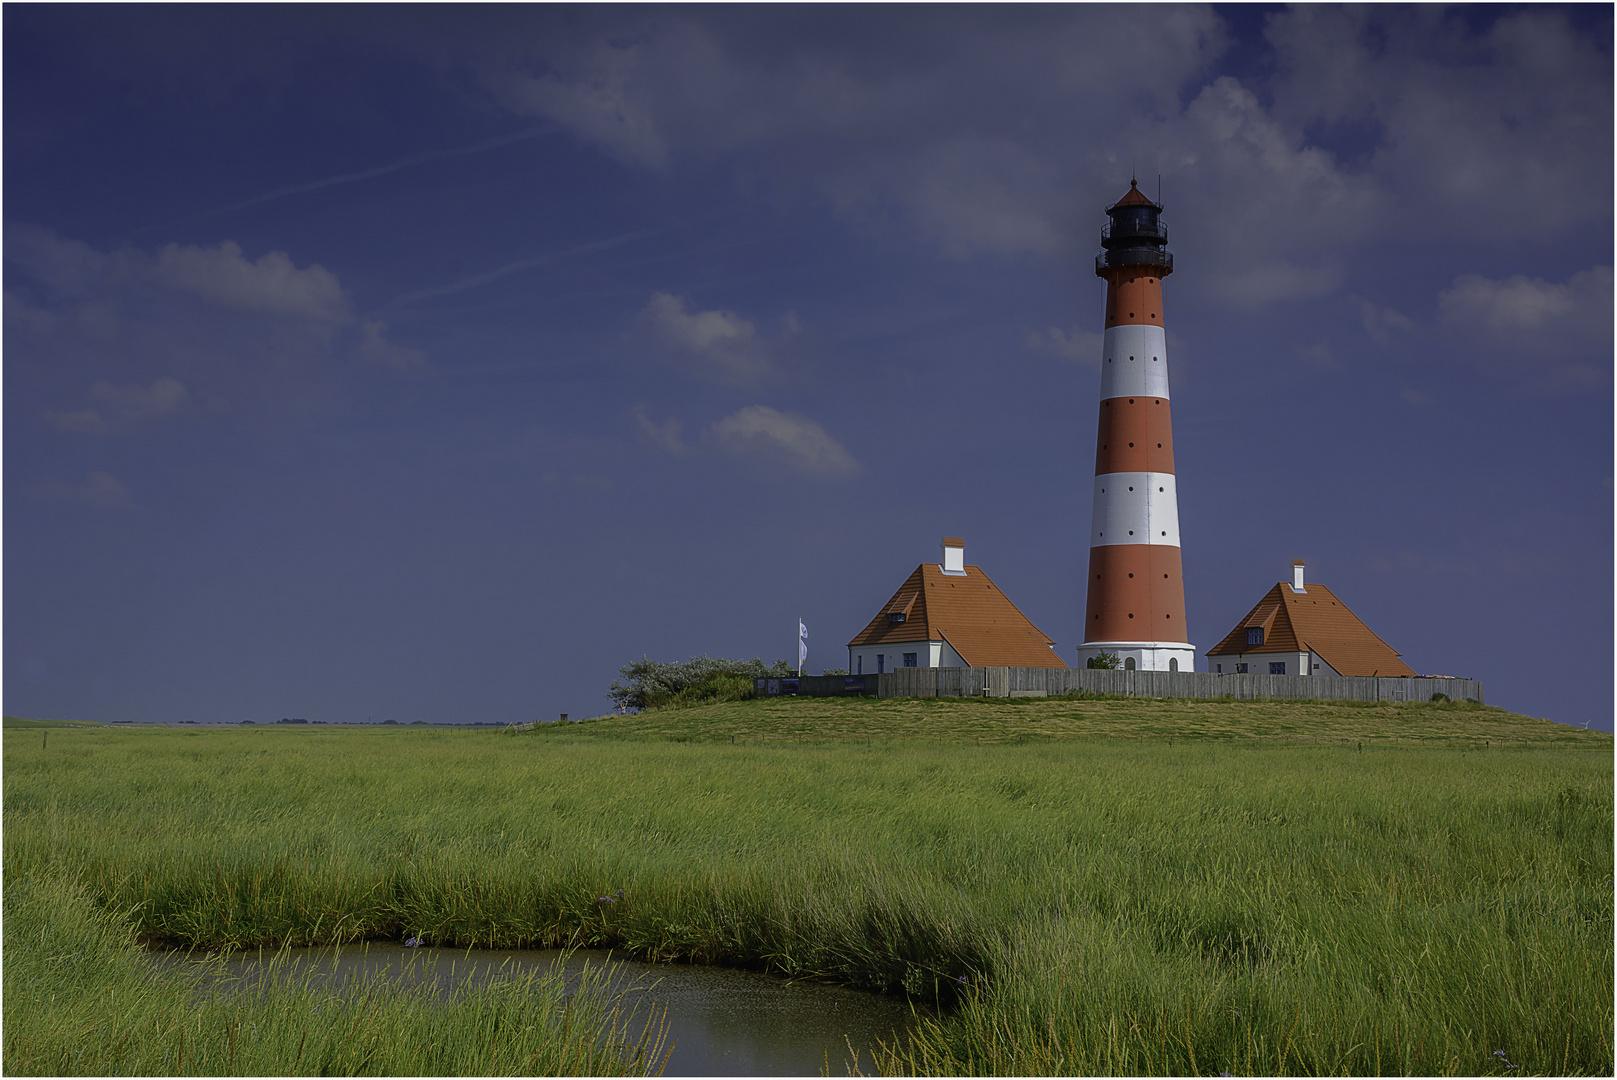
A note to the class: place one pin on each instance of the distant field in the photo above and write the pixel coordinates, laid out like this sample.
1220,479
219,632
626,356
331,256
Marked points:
21,722
991,720
1138,888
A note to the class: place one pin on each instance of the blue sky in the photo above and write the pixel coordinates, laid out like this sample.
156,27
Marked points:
432,363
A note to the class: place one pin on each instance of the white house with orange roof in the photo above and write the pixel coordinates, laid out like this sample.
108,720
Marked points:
1301,629
949,614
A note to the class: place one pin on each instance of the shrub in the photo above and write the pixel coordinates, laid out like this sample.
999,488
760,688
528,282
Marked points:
1440,696
1105,661
651,684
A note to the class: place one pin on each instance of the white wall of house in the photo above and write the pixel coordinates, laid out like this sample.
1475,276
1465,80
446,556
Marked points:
1257,663
889,656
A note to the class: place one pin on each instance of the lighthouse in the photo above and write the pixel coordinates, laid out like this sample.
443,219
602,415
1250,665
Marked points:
1136,606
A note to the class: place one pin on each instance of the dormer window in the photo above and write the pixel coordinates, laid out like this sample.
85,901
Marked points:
1254,635
896,616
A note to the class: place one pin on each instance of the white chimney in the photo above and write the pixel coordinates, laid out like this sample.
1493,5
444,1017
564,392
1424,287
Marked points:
954,556
1297,576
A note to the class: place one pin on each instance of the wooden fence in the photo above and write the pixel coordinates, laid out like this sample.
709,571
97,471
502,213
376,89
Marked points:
1051,682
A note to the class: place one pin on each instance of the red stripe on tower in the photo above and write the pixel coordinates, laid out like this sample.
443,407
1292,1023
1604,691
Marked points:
1136,608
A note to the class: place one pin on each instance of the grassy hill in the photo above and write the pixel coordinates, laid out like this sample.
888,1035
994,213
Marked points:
1000,720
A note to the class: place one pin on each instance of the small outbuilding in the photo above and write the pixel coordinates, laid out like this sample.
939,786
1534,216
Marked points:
1299,629
948,614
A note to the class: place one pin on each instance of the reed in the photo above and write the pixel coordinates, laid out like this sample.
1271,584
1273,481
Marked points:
1087,905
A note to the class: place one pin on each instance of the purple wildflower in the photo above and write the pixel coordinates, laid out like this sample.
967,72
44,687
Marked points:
412,943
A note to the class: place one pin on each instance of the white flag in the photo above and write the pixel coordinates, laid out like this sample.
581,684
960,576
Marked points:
802,631
802,652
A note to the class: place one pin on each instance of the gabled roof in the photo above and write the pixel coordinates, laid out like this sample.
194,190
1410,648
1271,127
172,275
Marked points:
977,620
1317,621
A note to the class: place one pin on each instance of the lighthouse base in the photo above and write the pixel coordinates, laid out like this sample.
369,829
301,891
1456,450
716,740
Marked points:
1142,655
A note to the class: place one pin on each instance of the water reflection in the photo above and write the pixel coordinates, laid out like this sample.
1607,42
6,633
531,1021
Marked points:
721,1022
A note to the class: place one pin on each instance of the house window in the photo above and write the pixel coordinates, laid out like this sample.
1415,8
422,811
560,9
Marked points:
909,659
897,616
1277,667
881,663
861,665
1254,635
1240,669
1221,669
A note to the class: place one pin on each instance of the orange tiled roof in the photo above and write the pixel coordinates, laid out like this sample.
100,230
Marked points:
1318,622
977,620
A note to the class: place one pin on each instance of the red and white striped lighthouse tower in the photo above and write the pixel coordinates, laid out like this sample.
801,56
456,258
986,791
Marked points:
1136,608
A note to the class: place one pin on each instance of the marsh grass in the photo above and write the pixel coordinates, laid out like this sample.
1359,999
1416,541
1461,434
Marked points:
80,1000
1096,904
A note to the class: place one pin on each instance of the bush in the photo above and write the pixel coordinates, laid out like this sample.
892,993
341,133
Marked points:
1105,661
1440,696
652,684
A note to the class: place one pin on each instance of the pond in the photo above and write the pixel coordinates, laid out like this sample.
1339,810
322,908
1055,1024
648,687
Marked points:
721,1022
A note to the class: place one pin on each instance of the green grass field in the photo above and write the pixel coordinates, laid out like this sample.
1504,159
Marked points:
1093,886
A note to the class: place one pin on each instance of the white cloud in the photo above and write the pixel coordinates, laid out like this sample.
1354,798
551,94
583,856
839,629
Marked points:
1517,303
140,403
988,131
1565,326
1080,346
128,300
596,101
98,488
795,440
20,313
1378,321
1467,125
374,348
225,277
1522,304
721,344
665,435
121,406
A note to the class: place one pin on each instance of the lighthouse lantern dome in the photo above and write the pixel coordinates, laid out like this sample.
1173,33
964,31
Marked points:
1135,234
